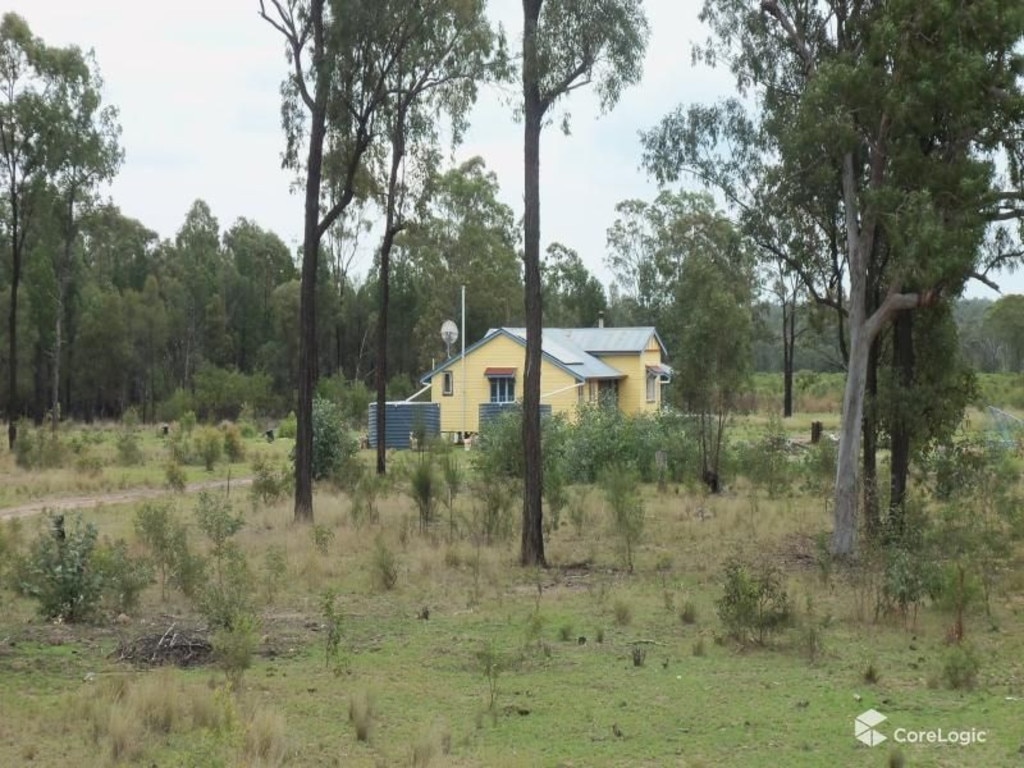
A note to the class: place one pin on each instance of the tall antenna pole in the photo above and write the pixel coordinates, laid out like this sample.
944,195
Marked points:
463,334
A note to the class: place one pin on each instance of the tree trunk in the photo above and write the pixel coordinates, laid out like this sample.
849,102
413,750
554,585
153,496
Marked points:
903,365
788,345
391,228
844,535
844,532
57,340
12,331
870,459
532,550
307,373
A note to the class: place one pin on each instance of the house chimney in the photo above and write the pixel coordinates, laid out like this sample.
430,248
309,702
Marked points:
600,319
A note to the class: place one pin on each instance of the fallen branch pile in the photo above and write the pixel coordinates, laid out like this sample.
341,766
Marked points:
181,648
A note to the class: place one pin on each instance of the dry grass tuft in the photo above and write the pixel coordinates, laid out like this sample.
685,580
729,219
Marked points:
265,742
158,702
433,741
362,713
125,734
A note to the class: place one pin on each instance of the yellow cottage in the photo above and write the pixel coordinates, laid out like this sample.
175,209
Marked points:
623,366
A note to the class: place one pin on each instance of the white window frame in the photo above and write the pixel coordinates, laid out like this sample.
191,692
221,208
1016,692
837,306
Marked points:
502,389
652,388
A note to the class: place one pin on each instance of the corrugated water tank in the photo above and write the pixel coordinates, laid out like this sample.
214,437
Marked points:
402,419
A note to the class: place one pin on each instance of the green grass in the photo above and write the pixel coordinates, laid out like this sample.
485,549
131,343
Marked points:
556,702
565,688
102,473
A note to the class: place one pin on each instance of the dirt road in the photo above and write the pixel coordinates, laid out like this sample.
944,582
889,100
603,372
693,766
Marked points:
127,496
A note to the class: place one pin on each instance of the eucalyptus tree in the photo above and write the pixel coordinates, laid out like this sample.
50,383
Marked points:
894,114
191,267
573,297
450,51
85,153
566,45
341,56
256,262
465,237
712,322
1004,325
117,251
29,76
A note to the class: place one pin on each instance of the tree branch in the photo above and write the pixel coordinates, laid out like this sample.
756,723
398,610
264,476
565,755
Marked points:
771,7
565,85
895,302
296,41
984,280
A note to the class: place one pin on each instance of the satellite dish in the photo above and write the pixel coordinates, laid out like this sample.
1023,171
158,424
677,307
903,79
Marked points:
450,334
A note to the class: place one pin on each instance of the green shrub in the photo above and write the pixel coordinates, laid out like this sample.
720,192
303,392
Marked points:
578,510
424,490
275,569
166,538
176,406
39,448
365,495
323,537
622,492
123,577
496,498
960,668
58,571
908,578
177,480
234,445
269,485
180,447
129,451
219,392
188,422
288,428
499,451
334,447
385,566
755,603
766,462
332,624
227,595
210,445
818,467
233,647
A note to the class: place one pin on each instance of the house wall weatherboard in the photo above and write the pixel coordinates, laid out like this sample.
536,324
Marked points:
633,388
499,352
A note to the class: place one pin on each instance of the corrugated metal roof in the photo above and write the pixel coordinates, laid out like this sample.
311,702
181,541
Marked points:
559,345
595,340
575,348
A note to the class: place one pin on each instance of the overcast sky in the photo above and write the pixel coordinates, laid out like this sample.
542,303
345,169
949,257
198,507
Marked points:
197,85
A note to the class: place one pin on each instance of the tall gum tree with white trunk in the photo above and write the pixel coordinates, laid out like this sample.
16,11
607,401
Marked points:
909,115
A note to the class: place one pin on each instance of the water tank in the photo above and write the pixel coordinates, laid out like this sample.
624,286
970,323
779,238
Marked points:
402,419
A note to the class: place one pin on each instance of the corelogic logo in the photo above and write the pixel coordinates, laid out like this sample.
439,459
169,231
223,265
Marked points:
866,723
864,727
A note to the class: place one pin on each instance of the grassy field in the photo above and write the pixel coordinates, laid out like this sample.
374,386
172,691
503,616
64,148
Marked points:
470,660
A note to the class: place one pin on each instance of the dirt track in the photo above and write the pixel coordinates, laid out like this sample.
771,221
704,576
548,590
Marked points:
68,503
